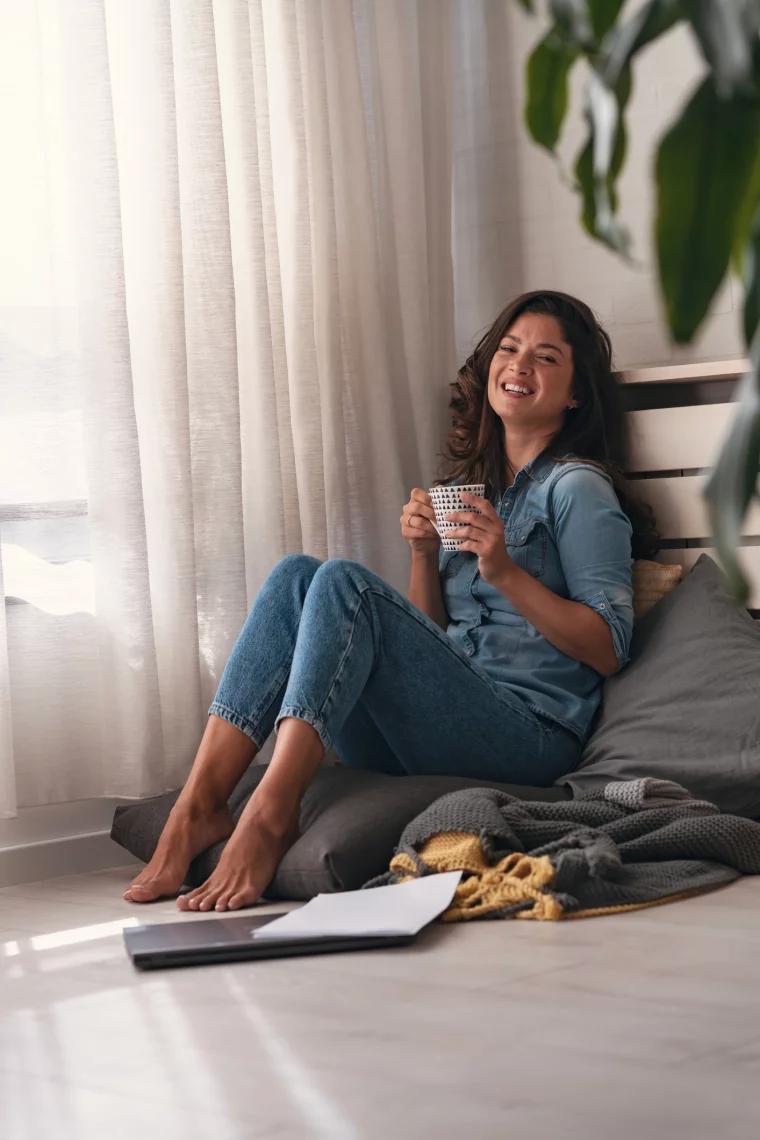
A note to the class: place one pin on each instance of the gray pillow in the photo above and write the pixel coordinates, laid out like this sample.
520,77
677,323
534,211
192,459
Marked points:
350,824
687,705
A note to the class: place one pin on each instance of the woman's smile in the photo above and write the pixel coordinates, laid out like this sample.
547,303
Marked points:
516,391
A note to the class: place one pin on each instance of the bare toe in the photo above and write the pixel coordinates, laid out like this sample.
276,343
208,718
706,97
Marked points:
143,892
187,833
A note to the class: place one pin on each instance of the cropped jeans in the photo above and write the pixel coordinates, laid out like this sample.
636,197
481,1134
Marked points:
335,645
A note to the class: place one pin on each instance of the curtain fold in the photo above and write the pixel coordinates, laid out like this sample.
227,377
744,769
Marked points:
7,775
254,199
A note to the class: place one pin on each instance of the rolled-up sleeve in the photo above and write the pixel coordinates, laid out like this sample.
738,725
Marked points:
593,537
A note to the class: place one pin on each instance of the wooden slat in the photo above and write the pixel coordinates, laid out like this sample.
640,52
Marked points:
749,557
668,439
685,373
680,509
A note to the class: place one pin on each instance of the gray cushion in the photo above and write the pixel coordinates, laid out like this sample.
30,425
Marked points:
350,824
687,705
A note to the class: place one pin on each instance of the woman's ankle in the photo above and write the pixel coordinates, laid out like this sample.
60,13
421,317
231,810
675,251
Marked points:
199,801
275,815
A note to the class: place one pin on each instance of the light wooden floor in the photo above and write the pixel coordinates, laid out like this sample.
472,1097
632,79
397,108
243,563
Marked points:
637,1025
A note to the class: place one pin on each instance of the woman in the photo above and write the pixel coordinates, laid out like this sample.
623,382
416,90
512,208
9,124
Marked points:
493,666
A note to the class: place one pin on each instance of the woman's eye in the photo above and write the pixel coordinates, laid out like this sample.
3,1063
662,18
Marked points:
507,347
549,359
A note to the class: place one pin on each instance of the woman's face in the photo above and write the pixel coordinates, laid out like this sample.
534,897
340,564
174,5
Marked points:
533,356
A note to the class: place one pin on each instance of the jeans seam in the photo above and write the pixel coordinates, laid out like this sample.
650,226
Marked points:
554,719
446,640
345,651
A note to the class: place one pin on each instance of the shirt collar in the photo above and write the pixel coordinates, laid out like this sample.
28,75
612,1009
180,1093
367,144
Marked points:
539,468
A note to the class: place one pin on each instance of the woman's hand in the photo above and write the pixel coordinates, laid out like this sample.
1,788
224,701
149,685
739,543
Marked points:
484,536
416,526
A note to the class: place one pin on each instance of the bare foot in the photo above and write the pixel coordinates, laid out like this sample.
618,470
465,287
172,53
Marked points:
187,832
246,867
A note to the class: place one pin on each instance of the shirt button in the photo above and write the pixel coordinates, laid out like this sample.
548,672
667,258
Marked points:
602,606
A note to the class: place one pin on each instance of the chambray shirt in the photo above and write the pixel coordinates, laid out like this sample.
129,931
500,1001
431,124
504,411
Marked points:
564,525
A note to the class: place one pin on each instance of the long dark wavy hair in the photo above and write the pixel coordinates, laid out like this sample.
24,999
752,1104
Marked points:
595,431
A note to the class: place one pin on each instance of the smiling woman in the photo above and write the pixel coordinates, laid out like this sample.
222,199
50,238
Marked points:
549,346
490,669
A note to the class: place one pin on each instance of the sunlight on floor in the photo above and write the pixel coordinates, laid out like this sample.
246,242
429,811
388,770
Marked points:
71,937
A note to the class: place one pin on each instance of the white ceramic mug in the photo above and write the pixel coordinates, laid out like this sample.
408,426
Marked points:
448,499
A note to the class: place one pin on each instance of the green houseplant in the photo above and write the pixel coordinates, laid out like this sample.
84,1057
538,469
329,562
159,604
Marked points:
707,175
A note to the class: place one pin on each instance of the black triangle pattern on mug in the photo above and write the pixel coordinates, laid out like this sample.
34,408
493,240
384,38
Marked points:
448,499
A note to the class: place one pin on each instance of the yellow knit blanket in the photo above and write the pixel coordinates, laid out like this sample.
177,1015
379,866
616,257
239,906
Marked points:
516,880
631,844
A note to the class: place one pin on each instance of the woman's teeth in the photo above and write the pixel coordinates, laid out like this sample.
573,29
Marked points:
515,390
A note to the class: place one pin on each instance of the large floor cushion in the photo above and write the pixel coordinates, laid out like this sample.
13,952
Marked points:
687,706
350,824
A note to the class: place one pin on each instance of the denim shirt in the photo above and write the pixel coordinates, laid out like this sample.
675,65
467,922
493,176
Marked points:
563,524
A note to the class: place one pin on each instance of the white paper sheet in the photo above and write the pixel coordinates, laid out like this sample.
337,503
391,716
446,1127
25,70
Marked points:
403,908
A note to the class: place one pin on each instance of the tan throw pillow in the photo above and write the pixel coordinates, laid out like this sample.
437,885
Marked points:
651,582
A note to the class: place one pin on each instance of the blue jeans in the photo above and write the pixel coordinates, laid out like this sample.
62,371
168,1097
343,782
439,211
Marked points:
333,644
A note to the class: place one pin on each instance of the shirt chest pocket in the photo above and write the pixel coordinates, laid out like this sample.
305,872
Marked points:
526,545
450,563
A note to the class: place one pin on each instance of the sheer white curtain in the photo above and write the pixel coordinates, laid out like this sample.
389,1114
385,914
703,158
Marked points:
226,332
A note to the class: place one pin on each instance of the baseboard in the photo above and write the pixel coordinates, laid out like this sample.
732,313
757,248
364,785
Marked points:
52,858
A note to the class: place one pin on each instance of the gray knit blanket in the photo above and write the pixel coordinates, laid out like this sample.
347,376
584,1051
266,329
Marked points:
629,845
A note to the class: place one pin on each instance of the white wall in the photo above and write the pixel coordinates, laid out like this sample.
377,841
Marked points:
516,225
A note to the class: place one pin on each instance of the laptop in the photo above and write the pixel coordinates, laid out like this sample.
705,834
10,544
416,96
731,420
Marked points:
203,942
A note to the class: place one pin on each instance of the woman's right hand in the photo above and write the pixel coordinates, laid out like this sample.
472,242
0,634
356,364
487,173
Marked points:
416,525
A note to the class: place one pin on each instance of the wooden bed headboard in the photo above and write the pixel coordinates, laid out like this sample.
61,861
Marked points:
679,416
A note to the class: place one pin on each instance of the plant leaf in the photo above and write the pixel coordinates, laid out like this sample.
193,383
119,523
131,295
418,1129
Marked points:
725,40
601,160
746,213
622,43
584,174
527,6
603,14
751,275
750,14
704,165
547,71
573,21
732,483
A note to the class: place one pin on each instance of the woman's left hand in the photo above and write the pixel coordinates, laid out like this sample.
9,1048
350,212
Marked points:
484,536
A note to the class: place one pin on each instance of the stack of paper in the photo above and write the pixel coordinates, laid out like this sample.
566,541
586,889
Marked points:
403,908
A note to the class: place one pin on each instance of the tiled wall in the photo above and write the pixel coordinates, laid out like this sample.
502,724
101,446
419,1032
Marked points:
517,223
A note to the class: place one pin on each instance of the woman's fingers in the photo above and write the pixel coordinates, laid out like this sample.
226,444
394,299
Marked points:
414,521
422,525
423,503
482,504
420,504
467,518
